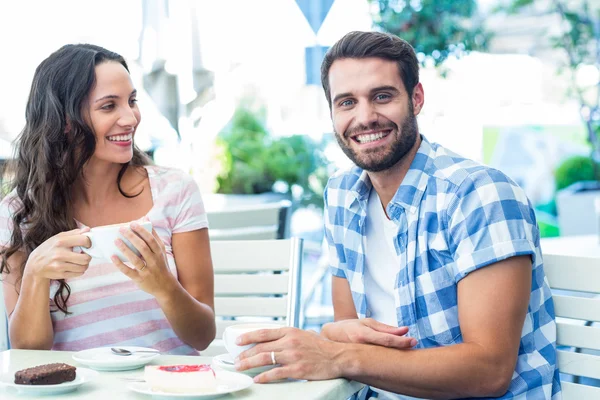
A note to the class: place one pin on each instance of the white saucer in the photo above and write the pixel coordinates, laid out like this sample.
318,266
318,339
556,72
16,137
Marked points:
227,382
82,375
102,359
225,361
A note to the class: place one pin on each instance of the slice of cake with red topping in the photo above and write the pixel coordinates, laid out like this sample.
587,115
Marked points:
180,378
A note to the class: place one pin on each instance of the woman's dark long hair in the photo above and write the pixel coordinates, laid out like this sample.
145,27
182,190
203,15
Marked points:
49,157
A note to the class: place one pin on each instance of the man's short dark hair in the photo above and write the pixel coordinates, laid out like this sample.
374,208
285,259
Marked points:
373,44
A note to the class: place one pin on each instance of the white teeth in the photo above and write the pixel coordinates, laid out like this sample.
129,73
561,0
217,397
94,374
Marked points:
369,137
120,138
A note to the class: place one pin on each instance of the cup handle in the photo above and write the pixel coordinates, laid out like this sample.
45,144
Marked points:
225,341
92,251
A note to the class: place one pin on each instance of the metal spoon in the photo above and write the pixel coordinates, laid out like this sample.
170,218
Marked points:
222,358
124,352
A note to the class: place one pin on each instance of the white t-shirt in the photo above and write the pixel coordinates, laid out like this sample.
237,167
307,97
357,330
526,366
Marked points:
106,307
382,265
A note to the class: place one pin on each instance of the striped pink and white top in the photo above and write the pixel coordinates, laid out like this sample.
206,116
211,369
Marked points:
107,308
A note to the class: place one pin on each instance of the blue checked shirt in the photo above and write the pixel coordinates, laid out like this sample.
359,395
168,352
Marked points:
454,216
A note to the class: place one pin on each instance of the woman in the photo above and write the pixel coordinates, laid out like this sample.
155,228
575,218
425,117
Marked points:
77,168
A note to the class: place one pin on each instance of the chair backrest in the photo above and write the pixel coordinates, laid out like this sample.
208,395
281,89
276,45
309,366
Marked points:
4,341
575,283
255,280
251,221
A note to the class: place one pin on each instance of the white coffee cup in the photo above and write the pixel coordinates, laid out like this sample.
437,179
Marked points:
103,241
232,332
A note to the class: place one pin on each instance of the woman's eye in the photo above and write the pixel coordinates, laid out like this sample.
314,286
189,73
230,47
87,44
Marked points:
133,101
108,106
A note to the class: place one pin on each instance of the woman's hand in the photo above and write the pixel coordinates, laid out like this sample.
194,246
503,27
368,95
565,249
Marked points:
150,271
368,331
55,258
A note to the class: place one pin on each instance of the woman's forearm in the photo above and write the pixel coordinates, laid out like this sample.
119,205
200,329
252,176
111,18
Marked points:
30,325
192,320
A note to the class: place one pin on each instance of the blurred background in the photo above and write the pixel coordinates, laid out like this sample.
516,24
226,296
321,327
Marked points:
230,92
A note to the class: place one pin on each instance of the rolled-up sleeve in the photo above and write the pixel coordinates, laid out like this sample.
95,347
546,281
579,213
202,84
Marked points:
489,219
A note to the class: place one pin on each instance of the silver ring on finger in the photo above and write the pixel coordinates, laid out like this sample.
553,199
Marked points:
273,358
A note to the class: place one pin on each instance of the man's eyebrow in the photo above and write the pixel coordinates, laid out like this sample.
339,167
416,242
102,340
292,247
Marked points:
340,96
385,88
388,88
114,96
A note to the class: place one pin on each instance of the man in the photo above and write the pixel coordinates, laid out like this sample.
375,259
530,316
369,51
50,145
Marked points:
422,241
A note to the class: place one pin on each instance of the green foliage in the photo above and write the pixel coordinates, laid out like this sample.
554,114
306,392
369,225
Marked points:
580,40
252,161
291,159
575,169
435,28
577,38
516,5
242,152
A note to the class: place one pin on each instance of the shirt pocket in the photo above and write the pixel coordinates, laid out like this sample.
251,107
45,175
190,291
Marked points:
437,309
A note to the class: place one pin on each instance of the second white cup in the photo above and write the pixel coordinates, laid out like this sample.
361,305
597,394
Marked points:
231,333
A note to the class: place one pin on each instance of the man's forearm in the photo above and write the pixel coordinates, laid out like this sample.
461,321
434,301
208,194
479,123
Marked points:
463,370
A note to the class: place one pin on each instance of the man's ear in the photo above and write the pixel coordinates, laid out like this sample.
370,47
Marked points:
418,98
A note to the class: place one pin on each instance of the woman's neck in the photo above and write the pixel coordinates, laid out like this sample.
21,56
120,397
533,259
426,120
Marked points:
99,184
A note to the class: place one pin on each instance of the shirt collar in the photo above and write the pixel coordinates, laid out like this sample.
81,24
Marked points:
362,187
413,186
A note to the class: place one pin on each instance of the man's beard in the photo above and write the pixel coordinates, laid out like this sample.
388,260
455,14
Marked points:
399,148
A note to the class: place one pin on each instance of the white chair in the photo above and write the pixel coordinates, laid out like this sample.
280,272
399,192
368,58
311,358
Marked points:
317,309
255,280
575,283
250,221
4,342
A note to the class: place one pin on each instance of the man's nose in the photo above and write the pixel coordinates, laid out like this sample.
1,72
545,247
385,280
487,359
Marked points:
365,114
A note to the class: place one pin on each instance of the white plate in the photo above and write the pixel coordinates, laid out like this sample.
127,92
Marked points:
225,361
82,375
227,382
102,359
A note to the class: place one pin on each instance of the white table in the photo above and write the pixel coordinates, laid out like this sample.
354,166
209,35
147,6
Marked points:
584,245
111,385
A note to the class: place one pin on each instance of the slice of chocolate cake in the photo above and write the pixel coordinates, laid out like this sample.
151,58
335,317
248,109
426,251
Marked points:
47,374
